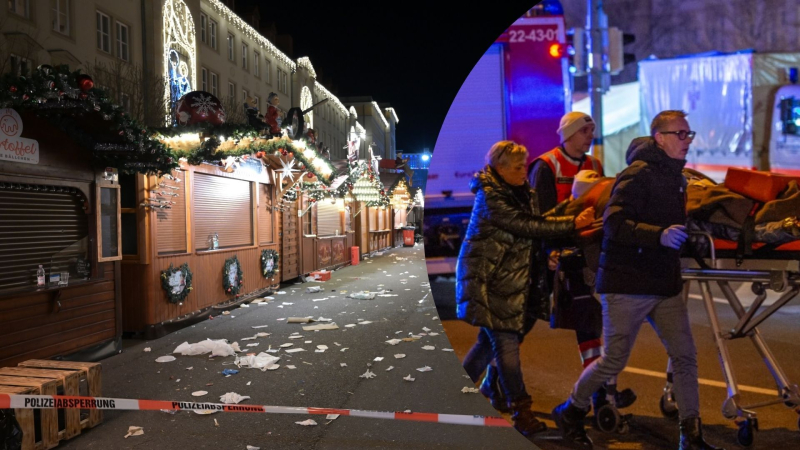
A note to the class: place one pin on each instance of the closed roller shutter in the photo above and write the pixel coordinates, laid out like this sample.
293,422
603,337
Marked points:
171,223
265,215
222,206
40,225
329,221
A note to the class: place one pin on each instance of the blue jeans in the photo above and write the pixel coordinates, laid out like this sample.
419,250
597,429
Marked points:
504,348
622,318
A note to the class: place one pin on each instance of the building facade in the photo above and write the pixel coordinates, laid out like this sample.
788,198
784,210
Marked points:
147,54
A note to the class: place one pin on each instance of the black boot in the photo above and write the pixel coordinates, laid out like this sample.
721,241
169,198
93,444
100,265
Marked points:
523,418
624,398
692,436
570,420
490,388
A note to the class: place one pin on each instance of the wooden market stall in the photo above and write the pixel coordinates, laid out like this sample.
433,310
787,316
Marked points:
59,211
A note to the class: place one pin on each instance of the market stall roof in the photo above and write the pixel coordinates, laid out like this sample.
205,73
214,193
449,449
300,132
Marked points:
390,180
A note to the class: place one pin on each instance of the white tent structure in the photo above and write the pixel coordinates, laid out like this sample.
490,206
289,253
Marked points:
621,117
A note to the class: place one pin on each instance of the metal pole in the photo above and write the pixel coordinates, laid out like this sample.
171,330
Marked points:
599,75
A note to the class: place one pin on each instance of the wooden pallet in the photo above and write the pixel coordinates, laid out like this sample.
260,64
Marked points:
68,381
49,417
90,371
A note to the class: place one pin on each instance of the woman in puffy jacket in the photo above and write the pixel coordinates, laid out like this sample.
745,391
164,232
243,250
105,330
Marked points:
496,271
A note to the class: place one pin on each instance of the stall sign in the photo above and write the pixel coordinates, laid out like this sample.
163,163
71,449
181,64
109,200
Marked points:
13,147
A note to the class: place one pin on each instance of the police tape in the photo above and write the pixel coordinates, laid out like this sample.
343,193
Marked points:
14,401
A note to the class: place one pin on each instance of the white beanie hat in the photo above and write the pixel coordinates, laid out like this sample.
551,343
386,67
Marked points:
571,122
584,180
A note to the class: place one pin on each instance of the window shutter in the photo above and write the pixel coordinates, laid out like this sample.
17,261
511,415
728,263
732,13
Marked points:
329,221
40,225
171,223
265,215
223,206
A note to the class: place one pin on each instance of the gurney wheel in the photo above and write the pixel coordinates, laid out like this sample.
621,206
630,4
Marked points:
608,419
669,408
746,434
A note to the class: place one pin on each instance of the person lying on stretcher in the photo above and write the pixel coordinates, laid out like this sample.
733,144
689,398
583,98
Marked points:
711,207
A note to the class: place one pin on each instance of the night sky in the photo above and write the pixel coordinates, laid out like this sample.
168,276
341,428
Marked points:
407,54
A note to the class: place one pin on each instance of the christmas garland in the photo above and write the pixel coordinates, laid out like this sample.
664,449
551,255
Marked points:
64,97
167,274
242,140
268,256
238,278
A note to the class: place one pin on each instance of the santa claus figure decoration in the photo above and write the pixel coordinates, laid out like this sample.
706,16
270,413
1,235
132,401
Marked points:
199,107
273,114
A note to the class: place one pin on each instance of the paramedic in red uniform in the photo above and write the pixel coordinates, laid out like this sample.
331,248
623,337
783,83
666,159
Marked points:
551,176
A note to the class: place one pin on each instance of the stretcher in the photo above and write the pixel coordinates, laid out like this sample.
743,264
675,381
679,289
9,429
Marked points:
768,268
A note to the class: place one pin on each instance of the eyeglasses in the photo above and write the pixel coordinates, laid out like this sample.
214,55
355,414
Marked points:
682,135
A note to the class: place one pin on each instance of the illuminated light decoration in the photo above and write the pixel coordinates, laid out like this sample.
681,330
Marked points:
327,94
286,171
306,63
250,32
419,199
379,112
306,101
353,112
310,154
394,113
178,37
425,157
182,142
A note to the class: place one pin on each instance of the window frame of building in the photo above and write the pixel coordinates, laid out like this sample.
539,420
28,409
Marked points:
232,90
99,17
59,13
125,102
256,64
123,47
245,50
257,102
14,6
214,84
244,95
203,25
204,79
267,70
16,67
212,33
231,47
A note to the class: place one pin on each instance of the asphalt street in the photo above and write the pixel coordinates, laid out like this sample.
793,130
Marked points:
551,364
318,379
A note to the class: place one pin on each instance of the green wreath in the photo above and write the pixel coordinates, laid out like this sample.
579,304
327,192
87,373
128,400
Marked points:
238,277
269,263
174,293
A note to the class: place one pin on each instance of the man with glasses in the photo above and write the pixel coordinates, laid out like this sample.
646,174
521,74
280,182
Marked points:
640,278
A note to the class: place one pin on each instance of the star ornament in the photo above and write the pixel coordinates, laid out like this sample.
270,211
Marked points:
286,171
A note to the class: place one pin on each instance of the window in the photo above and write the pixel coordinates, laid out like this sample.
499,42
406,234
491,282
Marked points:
20,7
283,81
123,38
231,51
20,65
109,244
171,223
212,33
257,102
103,32
265,215
244,95
267,70
61,16
204,79
231,91
244,56
256,63
203,25
125,102
214,84
233,222
50,228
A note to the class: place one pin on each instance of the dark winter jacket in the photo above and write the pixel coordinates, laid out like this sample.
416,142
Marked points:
648,197
494,270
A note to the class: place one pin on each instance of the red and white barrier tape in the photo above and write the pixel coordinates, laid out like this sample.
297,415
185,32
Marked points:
8,401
